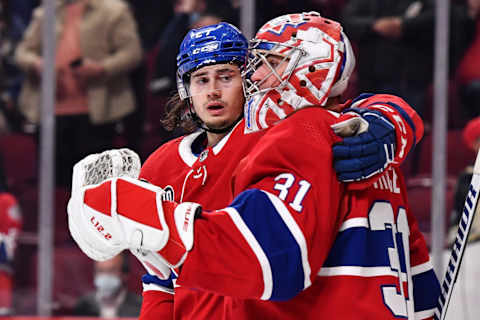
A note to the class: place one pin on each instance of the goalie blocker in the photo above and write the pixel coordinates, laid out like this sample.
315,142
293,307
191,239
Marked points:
126,213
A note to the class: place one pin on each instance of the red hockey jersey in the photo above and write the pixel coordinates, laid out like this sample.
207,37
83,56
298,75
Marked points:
293,243
203,177
10,226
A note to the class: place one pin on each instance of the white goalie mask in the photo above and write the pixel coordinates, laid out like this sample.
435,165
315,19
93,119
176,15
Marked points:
317,60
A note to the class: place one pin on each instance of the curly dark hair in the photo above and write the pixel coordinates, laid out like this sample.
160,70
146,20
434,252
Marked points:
177,115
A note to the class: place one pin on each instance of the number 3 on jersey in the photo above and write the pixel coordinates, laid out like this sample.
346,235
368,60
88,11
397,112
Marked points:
381,217
285,182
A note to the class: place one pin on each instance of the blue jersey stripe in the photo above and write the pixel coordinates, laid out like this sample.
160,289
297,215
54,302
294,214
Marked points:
151,279
426,290
275,239
362,247
401,253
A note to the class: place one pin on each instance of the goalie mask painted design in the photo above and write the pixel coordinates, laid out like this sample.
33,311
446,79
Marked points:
214,44
319,61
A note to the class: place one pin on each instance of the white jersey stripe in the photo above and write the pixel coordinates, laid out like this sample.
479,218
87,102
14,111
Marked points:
425,314
156,287
358,271
422,268
353,223
257,249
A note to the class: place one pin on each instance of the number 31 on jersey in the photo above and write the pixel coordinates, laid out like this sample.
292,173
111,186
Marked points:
284,182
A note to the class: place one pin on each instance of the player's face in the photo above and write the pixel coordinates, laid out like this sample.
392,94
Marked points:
264,75
217,94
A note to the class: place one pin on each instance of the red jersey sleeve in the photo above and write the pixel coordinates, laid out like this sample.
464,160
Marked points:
156,305
271,241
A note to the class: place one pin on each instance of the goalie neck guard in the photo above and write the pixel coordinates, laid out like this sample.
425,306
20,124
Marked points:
320,61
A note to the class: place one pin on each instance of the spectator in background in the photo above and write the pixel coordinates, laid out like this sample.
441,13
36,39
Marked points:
97,46
395,46
21,15
111,298
187,14
469,70
10,226
471,137
10,75
151,17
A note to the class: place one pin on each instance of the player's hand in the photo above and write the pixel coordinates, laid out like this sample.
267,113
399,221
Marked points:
88,70
368,146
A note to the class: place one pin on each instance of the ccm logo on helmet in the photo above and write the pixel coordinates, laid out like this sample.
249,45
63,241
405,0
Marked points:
100,228
208,48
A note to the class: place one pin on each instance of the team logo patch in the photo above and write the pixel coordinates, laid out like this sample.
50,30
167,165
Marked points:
203,155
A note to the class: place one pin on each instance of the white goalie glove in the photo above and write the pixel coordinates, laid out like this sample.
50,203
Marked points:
111,210
90,171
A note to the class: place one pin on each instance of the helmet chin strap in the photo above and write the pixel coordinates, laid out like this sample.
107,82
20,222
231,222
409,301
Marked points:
202,125
226,129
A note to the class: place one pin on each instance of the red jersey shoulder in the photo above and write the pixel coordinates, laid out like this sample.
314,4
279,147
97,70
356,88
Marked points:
160,160
294,146
310,125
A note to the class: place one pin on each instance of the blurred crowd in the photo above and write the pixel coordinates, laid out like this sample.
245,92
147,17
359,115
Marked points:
115,69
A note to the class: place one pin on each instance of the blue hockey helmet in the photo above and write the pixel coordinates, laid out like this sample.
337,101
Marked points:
214,44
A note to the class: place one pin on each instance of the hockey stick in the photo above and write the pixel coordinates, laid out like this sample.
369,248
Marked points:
458,249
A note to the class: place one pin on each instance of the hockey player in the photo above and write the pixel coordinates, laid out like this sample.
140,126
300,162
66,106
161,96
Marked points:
199,166
287,223
10,226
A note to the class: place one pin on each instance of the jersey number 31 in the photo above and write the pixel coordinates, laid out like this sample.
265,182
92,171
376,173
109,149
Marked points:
382,218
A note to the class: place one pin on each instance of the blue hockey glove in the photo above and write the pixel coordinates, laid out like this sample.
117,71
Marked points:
368,146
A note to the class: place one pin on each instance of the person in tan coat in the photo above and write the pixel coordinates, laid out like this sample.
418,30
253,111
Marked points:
97,45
